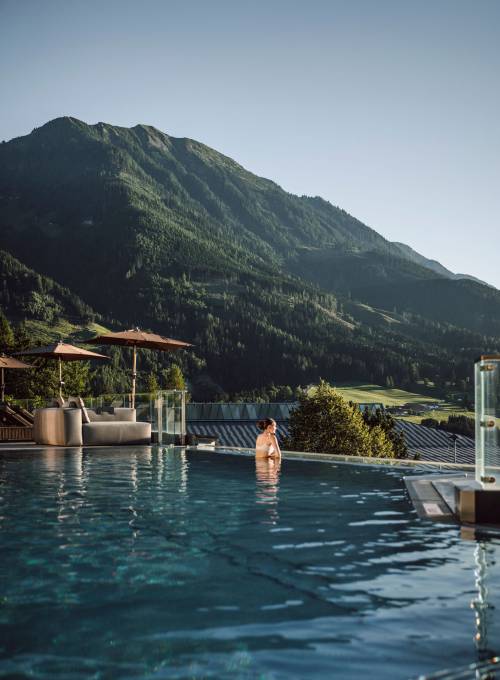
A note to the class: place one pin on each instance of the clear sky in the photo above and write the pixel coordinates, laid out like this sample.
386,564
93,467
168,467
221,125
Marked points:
388,108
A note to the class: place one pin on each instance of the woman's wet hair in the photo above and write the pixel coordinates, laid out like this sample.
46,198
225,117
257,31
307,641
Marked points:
264,423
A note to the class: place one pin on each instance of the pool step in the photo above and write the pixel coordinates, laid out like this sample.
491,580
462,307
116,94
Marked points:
427,500
456,498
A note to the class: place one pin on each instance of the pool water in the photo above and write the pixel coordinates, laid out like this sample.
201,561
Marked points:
150,563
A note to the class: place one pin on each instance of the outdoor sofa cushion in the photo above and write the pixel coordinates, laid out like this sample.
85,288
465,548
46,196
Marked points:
105,433
119,414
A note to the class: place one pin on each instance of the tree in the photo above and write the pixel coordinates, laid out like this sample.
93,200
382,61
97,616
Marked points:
205,389
414,372
6,333
174,380
324,422
286,393
153,385
42,380
384,421
76,378
459,425
430,422
380,443
22,338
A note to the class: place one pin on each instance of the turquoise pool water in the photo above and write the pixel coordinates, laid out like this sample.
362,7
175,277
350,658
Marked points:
149,563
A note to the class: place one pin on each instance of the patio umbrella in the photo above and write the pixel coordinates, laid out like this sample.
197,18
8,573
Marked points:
62,352
136,338
9,362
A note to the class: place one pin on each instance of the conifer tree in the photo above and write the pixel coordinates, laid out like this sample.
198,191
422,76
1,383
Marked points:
153,385
384,421
174,380
6,333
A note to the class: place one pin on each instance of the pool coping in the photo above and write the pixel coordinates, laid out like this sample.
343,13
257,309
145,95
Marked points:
353,460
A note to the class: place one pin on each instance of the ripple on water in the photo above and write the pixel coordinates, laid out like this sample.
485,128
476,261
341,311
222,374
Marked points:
147,563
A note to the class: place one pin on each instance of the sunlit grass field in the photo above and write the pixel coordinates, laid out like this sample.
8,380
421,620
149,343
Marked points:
385,395
62,330
366,393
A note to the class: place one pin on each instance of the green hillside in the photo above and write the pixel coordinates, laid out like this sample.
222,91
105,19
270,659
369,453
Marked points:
464,303
140,228
362,394
25,295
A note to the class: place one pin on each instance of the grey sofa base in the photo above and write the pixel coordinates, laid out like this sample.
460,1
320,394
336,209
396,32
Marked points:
106,433
58,426
63,427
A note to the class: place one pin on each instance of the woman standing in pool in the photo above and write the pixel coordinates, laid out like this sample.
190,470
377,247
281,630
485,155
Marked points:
267,445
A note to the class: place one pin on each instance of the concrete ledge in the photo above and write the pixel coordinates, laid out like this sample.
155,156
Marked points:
457,498
356,460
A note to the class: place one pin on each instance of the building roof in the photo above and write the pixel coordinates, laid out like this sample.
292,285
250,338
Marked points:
250,411
428,443
239,412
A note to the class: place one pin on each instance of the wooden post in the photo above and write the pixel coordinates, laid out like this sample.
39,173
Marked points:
134,375
60,379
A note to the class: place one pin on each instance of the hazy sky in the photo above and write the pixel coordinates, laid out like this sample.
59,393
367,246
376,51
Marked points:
388,108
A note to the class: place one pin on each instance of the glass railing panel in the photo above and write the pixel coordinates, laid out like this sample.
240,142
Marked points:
487,386
171,417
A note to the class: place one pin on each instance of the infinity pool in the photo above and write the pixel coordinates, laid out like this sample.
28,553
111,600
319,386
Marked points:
150,563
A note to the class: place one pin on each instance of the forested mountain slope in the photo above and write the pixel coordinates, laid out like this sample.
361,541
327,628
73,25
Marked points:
169,234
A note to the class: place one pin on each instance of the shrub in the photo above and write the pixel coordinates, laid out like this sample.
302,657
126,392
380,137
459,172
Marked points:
324,422
386,422
459,425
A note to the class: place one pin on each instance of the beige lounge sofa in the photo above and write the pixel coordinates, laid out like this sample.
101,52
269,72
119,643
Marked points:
65,427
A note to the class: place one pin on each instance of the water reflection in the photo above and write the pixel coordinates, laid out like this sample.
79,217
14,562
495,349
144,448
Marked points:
480,605
267,472
62,460
154,553
176,467
485,626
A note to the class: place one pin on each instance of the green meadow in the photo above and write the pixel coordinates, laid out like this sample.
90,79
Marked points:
366,393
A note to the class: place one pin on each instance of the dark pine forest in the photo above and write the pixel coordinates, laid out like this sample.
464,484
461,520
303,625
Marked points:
125,227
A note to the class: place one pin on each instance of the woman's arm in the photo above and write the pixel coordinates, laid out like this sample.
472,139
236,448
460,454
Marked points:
275,444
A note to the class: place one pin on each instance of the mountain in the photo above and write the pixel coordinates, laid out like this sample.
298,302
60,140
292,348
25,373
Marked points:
433,265
24,294
167,233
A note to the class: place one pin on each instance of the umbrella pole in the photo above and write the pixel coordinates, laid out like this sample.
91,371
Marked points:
134,375
3,385
60,379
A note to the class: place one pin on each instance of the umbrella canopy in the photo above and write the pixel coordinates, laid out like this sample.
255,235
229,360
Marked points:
61,351
9,362
136,338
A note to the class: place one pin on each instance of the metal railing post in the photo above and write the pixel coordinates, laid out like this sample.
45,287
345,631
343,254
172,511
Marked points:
159,416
